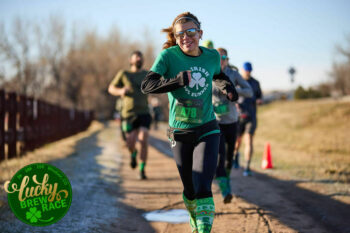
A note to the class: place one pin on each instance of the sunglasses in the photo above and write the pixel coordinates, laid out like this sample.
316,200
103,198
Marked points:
224,57
189,32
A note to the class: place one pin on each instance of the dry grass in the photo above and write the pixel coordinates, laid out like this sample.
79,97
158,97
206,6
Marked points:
309,139
56,150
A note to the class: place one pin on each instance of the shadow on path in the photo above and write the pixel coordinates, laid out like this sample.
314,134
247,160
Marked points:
161,145
93,173
333,215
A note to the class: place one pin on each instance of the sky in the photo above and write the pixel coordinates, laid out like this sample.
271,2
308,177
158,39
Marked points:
272,34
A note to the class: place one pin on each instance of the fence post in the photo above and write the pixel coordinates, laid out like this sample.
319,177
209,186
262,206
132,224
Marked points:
34,123
54,123
2,125
36,130
51,115
23,124
40,123
29,139
12,125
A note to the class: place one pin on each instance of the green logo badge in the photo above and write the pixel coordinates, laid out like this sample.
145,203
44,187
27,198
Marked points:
39,194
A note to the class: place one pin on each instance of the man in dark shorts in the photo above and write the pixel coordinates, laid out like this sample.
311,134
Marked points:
136,119
247,119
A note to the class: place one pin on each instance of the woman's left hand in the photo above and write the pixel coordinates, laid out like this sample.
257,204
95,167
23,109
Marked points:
230,95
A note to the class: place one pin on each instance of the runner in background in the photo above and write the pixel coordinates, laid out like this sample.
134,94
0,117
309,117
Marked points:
208,44
227,117
186,71
248,119
136,118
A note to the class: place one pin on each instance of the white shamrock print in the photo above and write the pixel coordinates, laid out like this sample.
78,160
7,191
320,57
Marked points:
197,80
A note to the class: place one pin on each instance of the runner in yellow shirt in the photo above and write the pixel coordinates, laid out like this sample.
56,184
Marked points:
136,118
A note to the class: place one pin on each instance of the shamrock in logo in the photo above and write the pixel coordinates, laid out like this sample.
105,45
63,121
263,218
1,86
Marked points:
196,80
33,214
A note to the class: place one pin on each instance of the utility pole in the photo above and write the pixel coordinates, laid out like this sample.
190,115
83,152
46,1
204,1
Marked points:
292,71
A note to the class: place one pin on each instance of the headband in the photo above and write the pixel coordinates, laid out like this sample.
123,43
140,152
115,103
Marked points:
189,18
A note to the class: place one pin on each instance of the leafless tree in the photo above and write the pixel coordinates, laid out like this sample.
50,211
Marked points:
15,48
73,68
341,70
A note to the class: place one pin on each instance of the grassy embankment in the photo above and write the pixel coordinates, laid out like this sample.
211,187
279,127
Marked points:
309,139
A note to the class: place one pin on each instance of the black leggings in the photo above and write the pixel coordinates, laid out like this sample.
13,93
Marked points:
197,164
228,138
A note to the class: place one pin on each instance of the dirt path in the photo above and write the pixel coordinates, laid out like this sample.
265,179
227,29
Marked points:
93,168
258,205
109,197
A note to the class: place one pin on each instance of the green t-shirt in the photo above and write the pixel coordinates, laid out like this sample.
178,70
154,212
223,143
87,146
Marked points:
191,105
134,102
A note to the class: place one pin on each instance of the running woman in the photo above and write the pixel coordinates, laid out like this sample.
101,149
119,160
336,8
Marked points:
227,117
186,71
248,119
136,118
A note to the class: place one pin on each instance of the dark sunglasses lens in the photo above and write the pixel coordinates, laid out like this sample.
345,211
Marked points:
191,32
179,34
223,57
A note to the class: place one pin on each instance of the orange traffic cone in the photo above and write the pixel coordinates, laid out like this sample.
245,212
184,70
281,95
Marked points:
267,159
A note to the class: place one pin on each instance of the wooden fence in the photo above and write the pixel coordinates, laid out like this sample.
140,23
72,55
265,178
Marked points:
27,123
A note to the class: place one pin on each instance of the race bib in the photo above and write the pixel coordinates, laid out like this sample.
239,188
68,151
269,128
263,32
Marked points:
189,110
221,108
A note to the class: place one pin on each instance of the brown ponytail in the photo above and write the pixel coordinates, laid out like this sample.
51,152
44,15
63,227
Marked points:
171,41
187,17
